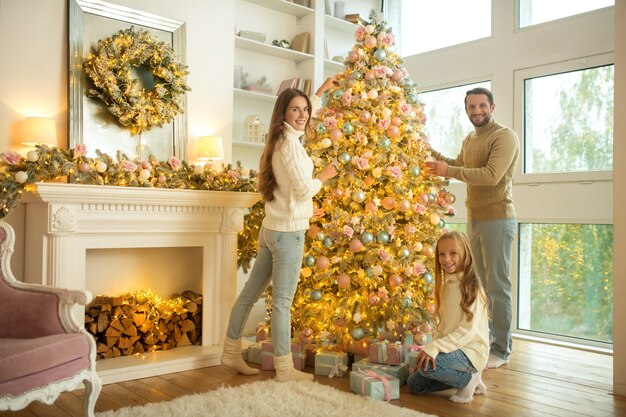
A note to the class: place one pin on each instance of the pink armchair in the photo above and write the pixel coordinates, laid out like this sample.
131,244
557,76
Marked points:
43,351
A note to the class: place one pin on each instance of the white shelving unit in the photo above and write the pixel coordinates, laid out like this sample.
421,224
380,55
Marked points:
281,19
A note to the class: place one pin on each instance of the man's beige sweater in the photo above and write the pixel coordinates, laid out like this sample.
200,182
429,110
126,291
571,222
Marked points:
486,164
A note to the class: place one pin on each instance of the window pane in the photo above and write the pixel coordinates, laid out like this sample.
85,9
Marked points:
568,121
532,12
427,25
566,280
446,122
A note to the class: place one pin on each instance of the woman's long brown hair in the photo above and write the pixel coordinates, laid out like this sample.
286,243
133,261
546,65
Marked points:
470,285
267,181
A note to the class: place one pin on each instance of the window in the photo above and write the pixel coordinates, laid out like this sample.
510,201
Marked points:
532,12
568,121
446,121
566,284
424,26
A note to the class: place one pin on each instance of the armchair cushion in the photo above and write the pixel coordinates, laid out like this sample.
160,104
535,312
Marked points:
27,363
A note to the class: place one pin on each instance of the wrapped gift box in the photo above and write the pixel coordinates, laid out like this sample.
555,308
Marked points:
331,363
401,372
389,353
375,384
310,350
254,353
267,356
411,361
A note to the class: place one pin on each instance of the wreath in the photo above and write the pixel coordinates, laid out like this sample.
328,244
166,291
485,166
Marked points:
110,69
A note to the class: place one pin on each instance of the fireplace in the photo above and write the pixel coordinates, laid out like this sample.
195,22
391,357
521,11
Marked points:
63,223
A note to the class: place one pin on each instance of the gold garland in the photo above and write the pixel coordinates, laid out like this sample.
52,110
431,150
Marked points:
110,70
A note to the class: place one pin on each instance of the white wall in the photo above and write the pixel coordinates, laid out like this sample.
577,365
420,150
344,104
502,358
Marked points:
619,202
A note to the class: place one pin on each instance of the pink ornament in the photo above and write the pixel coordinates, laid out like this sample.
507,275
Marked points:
355,245
397,75
371,207
84,167
404,205
373,299
352,56
395,281
343,281
338,193
388,203
430,308
426,328
322,262
364,116
370,41
370,75
393,131
423,199
428,251
396,121
335,134
162,178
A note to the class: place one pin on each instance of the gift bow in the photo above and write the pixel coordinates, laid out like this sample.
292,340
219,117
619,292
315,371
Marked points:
337,369
369,374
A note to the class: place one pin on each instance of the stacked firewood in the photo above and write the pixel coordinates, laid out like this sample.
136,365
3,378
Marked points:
140,322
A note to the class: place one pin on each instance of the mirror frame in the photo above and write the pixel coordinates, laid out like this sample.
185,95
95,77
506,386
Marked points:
77,79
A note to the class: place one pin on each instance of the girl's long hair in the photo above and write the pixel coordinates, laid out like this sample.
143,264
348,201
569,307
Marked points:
470,285
267,181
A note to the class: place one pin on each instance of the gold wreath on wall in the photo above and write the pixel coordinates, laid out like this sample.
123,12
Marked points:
112,66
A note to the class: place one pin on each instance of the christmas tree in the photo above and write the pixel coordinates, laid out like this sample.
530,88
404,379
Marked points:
369,256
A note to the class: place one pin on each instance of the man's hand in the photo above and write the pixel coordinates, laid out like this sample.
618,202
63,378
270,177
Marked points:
439,168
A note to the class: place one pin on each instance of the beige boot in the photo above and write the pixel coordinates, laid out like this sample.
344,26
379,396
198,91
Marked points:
286,372
231,357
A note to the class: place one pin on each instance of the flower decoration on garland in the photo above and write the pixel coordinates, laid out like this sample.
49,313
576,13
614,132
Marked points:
50,164
110,69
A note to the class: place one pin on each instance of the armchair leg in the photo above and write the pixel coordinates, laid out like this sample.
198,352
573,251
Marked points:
93,385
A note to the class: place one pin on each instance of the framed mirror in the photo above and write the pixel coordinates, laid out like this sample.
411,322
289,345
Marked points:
90,122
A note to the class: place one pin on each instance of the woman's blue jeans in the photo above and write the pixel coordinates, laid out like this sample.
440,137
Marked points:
454,370
278,260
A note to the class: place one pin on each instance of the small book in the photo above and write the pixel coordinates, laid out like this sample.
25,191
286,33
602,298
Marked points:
290,83
307,87
300,42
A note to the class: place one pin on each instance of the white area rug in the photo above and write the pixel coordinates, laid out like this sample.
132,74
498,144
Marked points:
268,399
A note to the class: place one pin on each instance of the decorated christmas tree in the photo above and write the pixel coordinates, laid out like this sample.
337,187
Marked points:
367,271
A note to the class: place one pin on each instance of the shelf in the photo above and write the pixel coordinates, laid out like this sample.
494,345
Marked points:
339,24
330,65
248,144
284,7
268,49
239,93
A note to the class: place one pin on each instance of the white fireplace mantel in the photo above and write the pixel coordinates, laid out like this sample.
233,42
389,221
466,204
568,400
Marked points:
63,221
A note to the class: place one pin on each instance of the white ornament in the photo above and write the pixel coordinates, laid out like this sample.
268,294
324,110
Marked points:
101,166
144,174
32,156
21,177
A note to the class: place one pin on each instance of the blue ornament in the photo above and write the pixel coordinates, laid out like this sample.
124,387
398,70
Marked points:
428,278
442,223
382,237
344,157
357,333
414,171
357,75
327,242
367,238
409,83
369,271
347,128
309,260
316,295
321,129
431,198
404,253
384,142
337,94
411,98
380,55
407,302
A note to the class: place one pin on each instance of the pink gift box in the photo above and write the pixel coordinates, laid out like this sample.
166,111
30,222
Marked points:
386,352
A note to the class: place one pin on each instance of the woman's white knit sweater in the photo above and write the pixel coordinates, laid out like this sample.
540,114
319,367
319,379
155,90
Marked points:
292,206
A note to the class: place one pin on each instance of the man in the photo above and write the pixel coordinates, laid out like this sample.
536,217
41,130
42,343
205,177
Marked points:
486,164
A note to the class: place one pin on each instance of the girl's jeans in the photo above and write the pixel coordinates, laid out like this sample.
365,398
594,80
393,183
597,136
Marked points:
278,260
454,370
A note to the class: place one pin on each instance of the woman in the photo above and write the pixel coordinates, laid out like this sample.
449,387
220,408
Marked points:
287,186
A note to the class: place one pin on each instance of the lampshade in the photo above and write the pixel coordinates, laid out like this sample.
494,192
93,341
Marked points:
38,130
210,148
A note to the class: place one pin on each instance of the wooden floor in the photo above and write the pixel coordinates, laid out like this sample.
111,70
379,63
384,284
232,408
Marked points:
541,380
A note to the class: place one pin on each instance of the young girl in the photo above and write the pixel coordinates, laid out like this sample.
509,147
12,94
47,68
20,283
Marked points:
287,185
460,347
